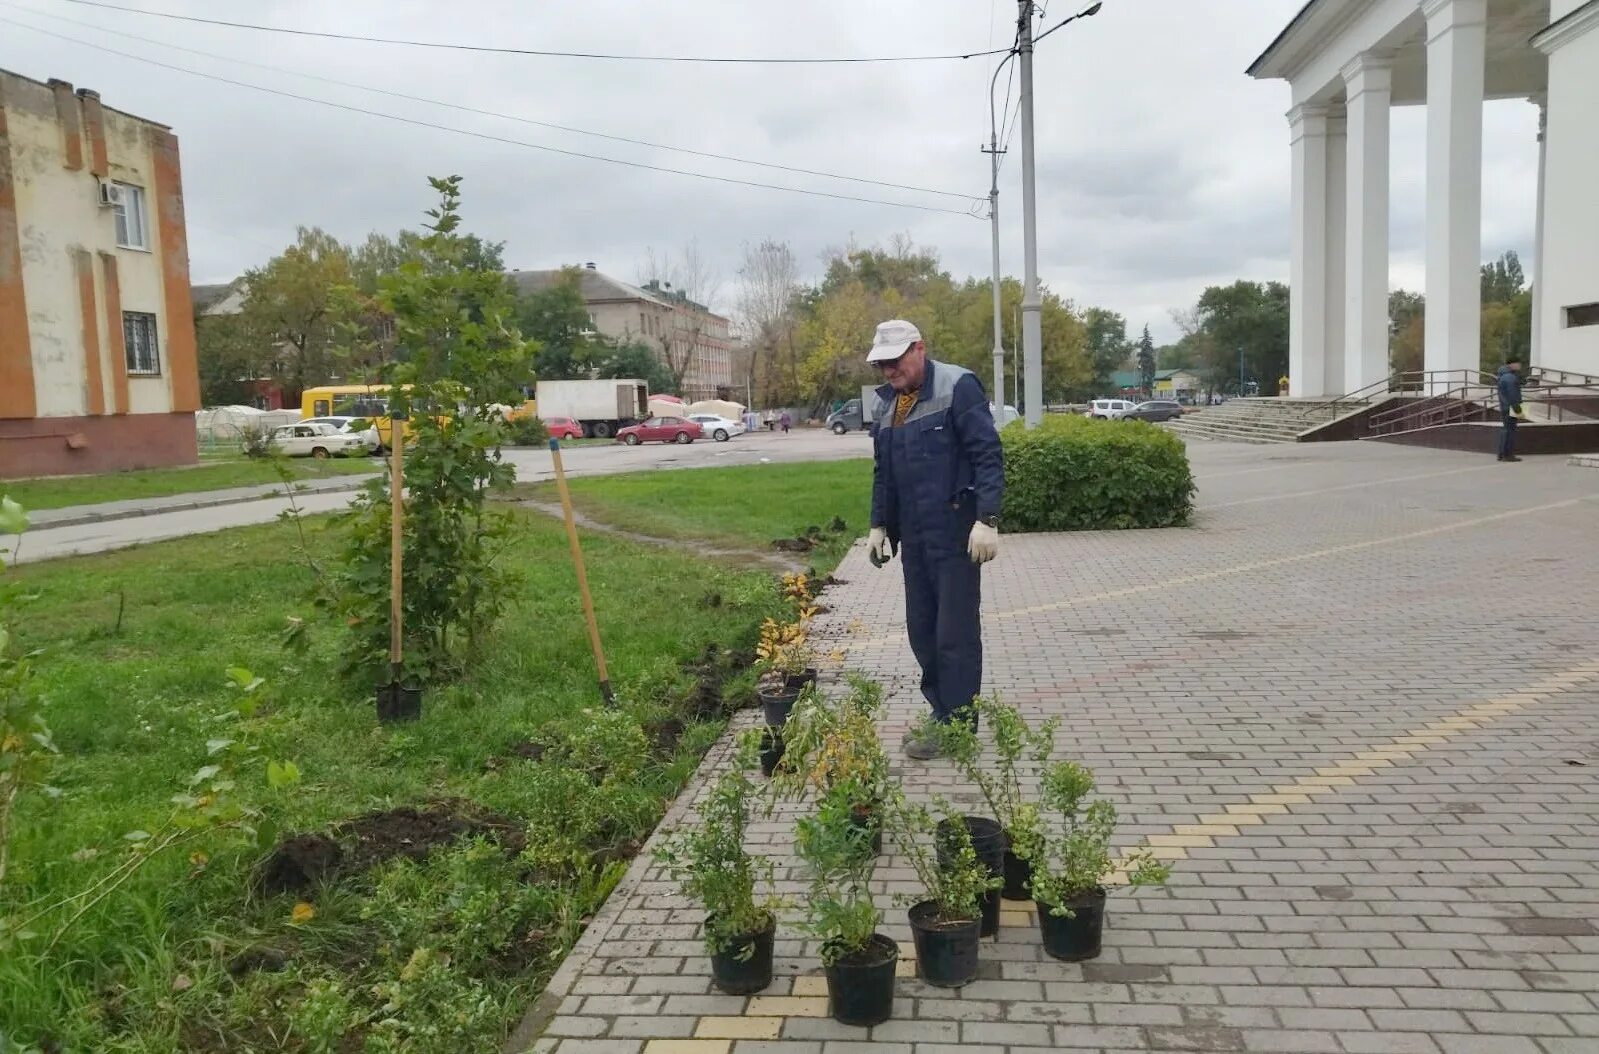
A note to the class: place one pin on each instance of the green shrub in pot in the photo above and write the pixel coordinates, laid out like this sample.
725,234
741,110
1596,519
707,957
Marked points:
1016,745
711,865
1071,861
946,921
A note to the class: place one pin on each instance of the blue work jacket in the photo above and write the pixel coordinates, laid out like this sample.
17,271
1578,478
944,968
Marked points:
943,467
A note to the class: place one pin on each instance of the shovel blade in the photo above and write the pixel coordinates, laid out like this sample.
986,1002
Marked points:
398,703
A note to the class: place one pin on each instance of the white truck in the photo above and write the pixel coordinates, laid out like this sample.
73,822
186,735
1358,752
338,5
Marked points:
868,403
599,407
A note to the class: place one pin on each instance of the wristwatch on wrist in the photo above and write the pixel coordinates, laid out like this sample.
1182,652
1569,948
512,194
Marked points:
991,521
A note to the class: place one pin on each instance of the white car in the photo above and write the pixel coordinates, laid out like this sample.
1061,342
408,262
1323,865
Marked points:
1003,415
369,434
316,440
718,428
1110,409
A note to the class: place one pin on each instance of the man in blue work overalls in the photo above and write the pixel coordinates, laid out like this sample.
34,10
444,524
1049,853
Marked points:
937,481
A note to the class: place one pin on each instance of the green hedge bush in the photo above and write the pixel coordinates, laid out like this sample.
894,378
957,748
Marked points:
1077,474
527,431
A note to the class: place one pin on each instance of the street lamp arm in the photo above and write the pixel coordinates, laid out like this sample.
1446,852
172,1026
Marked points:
993,85
1092,9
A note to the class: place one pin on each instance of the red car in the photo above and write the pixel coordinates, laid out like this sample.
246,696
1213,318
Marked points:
661,430
563,428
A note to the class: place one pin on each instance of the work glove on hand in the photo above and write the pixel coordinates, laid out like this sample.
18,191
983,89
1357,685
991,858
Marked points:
983,545
878,548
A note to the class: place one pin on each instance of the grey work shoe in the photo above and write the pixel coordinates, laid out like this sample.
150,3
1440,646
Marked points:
921,746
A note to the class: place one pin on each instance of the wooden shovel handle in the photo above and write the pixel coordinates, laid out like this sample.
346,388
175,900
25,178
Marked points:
396,535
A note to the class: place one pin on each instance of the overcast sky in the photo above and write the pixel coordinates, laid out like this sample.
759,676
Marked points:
1162,167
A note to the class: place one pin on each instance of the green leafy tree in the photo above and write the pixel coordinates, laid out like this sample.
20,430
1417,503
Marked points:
1108,347
232,351
459,356
1146,361
634,361
294,302
1247,321
1502,279
558,318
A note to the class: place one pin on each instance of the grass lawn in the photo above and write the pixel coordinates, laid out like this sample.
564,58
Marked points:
435,956
62,491
746,507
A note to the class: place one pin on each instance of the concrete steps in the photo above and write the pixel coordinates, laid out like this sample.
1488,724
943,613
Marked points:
1255,420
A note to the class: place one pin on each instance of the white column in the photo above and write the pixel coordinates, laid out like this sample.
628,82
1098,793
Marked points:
1368,81
1542,101
1332,368
1456,67
1307,277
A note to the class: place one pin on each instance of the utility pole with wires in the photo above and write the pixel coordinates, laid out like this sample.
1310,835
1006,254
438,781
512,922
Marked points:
1032,302
994,151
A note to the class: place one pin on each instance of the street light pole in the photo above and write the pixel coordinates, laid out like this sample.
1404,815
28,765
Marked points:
1032,306
1032,303
993,153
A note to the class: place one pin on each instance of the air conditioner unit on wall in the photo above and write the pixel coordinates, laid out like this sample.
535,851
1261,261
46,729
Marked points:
110,194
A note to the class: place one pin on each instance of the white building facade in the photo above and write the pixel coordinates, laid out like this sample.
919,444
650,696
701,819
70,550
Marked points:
1347,63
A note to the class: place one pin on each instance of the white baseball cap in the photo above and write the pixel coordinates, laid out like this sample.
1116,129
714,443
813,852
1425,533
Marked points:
892,340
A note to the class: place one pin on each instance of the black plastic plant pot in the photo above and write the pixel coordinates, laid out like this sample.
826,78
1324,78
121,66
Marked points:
990,842
745,966
1018,874
865,819
946,952
771,750
861,986
777,703
802,680
1075,937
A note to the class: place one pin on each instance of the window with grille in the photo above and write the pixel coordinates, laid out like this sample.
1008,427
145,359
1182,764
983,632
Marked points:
138,340
129,209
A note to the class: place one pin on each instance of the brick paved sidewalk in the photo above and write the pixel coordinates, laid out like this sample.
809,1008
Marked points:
1357,706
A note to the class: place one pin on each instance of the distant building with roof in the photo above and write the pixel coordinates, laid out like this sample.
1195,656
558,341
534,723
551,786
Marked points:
680,331
98,365
1169,384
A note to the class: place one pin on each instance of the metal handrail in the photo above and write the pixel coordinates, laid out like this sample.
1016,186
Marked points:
1474,401
1401,382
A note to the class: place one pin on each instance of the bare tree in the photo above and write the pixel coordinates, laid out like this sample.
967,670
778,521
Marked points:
688,283
768,281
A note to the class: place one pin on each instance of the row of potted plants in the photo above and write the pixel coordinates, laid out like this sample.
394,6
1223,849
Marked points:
1055,851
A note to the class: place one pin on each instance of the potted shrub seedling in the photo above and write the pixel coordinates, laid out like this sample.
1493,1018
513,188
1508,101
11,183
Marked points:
710,863
771,750
786,667
860,963
832,748
1015,743
797,587
946,924
1070,856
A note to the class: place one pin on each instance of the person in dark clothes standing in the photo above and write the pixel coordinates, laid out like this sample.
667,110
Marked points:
1510,414
938,477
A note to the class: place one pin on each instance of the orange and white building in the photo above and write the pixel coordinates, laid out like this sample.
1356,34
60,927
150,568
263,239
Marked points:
97,349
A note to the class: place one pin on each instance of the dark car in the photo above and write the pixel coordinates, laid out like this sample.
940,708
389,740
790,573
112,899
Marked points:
846,418
1155,410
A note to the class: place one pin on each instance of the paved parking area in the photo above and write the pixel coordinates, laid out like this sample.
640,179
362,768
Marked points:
1356,705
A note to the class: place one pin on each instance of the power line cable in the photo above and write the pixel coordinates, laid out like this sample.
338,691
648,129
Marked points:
492,113
486,136
613,56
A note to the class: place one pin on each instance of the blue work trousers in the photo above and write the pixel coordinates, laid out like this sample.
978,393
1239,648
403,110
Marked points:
943,595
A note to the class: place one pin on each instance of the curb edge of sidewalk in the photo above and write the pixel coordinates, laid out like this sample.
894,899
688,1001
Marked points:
356,483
